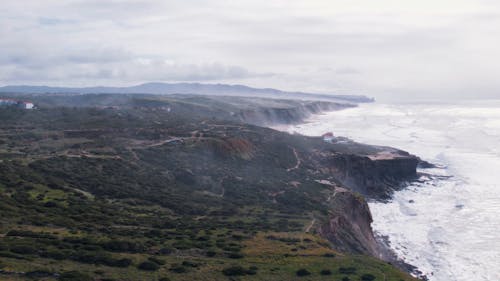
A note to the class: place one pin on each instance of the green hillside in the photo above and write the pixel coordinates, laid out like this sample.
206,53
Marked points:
144,193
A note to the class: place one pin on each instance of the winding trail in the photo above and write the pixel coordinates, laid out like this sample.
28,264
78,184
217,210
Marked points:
166,141
308,228
298,160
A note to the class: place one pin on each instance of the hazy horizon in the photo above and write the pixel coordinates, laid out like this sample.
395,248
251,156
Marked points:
389,50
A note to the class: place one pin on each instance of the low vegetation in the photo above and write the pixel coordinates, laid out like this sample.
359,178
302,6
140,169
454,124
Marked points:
141,193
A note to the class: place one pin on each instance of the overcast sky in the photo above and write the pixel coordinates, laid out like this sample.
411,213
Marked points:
402,49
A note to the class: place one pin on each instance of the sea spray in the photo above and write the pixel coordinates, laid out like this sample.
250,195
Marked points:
447,223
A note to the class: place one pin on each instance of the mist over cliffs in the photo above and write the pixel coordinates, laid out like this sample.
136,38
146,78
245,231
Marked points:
186,88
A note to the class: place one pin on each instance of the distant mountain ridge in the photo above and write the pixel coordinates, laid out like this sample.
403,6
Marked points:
185,88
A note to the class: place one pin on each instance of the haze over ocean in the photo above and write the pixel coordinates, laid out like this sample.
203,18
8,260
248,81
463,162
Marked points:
446,226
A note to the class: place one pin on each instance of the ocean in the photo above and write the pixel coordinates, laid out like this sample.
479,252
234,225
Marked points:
448,223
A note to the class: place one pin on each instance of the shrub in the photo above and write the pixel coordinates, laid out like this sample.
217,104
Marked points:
149,266
203,238
237,270
74,276
189,263
326,272
53,254
156,260
183,245
23,250
122,262
303,272
367,277
347,270
251,271
50,204
11,255
28,233
237,237
165,251
235,256
39,274
100,258
234,271
177,268
122,246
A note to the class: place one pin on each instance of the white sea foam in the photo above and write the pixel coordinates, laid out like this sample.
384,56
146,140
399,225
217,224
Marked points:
448,228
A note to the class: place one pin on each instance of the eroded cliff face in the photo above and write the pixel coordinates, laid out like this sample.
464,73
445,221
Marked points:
374,177
349,224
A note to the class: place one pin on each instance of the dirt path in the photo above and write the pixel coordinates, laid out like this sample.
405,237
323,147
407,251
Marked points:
336,189
134,155
93,156
298,161
330,196
308,228
165,142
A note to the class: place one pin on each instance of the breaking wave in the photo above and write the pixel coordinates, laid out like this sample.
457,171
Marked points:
448,223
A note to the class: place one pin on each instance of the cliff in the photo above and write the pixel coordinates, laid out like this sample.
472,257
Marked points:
349,224
362,172
374,176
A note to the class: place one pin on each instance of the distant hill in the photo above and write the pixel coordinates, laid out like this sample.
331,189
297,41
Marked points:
186,88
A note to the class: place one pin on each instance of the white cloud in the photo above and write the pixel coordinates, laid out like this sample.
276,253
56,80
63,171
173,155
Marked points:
383,48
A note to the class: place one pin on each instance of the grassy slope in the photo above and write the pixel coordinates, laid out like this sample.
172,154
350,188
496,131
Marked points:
274,260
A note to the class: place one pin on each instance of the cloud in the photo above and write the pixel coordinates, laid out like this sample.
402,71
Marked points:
380,48
112,65
55,21
347,71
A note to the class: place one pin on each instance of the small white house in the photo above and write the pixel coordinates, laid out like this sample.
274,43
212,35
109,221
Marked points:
28,105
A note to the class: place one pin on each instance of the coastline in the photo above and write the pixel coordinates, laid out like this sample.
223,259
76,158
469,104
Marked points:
392,258
384,250
445,222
